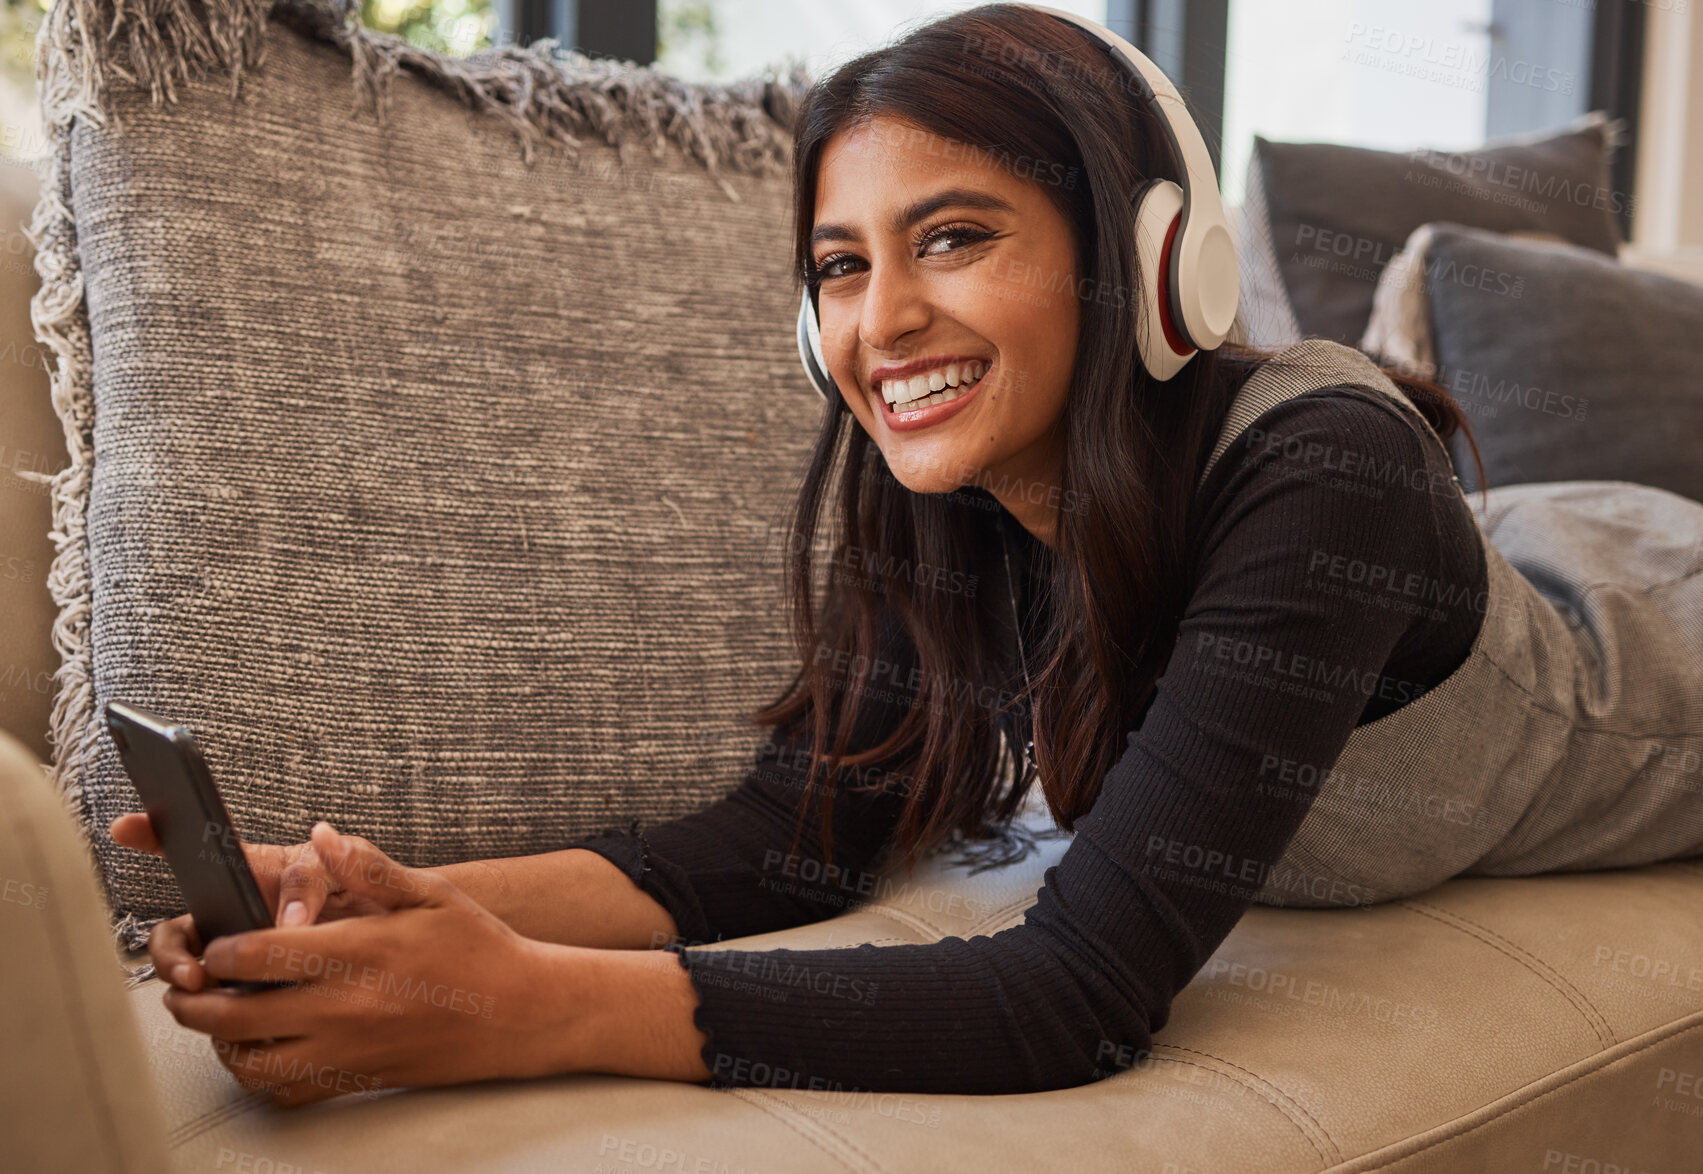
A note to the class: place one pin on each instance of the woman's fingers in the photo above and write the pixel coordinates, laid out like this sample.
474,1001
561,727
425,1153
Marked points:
175,948
292,878
265,861
133,830
303,886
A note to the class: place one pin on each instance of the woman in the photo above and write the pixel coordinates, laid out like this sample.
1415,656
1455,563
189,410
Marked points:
1175,597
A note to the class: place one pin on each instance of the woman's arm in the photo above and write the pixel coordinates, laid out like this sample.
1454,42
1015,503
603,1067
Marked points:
716,870
570,897
1180,838
722,871
731,869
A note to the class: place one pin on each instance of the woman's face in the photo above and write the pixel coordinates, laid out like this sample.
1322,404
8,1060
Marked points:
938,262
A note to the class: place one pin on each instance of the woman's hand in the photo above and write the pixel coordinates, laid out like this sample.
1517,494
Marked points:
284,872
295,883
433,989
297,886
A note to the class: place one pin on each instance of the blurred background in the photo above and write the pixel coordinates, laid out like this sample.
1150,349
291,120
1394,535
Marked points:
1393,74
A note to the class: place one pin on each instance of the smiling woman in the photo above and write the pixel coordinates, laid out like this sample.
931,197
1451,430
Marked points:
968,194
909,244
965,224
964,220
1241,610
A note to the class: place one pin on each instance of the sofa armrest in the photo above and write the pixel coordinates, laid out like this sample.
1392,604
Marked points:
77,1090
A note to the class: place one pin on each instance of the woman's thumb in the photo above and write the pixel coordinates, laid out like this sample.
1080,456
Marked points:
362,869
303,887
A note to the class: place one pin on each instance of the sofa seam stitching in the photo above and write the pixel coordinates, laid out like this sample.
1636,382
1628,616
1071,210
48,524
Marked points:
1554,978
1528,1103
189,1130
1278,1102
780,1110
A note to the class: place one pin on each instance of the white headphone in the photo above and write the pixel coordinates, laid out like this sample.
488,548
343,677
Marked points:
1190,280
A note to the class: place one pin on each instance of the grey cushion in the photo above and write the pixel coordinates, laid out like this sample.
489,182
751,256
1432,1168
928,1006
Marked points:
1338,214
432,489
1264,317
1570,366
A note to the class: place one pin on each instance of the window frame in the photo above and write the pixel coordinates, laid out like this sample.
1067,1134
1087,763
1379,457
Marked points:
1187,39
623,29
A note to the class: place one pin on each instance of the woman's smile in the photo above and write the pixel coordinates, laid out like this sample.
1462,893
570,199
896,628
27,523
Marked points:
907,407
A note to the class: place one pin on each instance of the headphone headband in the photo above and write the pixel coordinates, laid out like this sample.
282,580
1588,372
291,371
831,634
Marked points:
1190,279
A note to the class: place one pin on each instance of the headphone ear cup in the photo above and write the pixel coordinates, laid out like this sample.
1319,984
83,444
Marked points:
810,351
1165,347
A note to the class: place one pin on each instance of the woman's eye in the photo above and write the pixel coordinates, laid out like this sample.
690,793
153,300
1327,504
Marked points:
831,266
954,232
827,267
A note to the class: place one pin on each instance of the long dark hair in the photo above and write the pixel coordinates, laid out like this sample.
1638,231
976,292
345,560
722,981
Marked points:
1020,85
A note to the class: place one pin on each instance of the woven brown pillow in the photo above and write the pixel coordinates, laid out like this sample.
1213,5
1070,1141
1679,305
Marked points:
433,489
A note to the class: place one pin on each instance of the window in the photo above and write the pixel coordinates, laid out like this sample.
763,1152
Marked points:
1367,73
719,40
1390,74
1447,74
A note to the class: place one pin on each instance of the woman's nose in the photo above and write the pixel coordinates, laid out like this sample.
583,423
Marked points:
895,304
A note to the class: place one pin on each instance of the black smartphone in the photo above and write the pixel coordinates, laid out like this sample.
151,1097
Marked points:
195,831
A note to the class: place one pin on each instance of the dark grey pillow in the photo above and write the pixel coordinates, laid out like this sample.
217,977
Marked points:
1570,366
1338,214
435,488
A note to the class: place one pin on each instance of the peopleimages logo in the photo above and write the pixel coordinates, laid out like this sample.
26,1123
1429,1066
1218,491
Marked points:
1525,180
1482,394
1448,62
1342,252
1043,171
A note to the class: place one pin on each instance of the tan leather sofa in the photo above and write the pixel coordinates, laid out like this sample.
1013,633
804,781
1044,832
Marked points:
1543,1024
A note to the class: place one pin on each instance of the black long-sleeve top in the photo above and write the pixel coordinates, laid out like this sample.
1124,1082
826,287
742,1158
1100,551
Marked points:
1317,519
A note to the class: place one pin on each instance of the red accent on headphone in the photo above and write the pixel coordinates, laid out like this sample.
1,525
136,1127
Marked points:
1178,343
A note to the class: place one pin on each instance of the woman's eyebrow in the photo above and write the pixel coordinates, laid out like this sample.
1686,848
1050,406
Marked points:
919,210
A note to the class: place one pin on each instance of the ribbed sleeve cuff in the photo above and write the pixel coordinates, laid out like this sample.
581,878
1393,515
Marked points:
666,883
701,1019
758,997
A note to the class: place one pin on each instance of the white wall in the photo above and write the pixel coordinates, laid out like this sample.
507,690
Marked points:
1392,74
1669,211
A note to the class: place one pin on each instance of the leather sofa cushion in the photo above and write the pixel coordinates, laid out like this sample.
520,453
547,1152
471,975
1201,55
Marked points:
76,1088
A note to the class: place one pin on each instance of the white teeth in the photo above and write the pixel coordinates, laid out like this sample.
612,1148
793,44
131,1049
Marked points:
933,387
